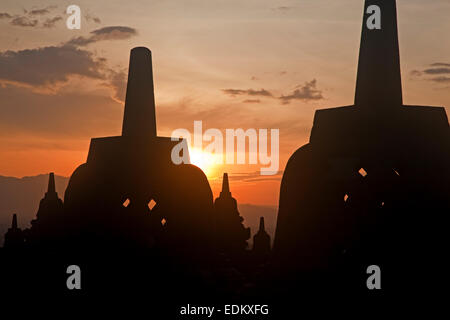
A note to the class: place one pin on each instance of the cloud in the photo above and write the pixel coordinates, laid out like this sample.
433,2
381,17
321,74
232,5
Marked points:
254,176
440,64
106,33
5,15
283,8
89,18
45,70
28,19
306,92
23,21
48,65
438,68
250,92
442,79
50,22
41,12
437,71
117,81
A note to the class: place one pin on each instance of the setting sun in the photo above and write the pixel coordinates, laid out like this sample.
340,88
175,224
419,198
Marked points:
206,161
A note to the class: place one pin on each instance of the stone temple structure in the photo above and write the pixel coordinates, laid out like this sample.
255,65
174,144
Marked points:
130,190
261,240
49,218
372,184
230,233
46,230
14,237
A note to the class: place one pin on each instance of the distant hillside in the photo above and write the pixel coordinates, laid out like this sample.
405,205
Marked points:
22,196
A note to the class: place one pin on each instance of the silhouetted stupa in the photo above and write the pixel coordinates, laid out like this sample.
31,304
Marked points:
48,222
129,185
14,237
231,235
372,184
261,240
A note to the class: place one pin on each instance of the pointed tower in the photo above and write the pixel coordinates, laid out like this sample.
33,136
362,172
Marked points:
316,224
231,234
50,209
225,186
125,176
261,240
14,237
139,115
14,222
378,83
51,189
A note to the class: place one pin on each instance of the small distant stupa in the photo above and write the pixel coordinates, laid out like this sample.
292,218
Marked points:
231,235
14,237
48,218
51,206
261,240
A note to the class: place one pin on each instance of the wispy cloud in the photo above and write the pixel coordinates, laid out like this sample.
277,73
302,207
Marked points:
250,92
23,21
50,22
438,68
441,79
305,92
30,18
5,15
90,17
40,12
251,101
440,64
283,8
254,176
437,71
106,33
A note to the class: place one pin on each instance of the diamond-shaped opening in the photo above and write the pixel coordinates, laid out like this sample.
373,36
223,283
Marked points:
151,204
362,172
345,197
163,221
126,203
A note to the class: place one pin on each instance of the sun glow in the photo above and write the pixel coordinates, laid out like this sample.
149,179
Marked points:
204,160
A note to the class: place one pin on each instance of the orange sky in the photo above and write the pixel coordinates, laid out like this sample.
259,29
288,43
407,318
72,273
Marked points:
54,98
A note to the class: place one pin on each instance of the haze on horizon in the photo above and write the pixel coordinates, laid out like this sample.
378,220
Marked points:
232,64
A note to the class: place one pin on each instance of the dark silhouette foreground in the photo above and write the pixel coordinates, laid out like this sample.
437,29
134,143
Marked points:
372,185
370,188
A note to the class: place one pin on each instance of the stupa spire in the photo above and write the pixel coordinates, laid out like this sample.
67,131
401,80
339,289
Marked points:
261,225
225,186
14,222
139,118
51,183
378,83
